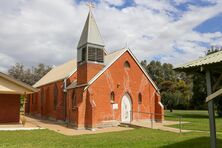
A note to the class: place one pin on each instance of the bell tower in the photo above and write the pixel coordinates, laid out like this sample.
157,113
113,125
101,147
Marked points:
90,50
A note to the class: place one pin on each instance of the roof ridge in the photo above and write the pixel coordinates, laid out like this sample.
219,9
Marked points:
57,73
107,66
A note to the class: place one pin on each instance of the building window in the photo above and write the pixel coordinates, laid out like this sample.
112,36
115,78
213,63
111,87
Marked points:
32,100
112,97
127,64
74,101
95,54
140,98
55,102
42,96
32,96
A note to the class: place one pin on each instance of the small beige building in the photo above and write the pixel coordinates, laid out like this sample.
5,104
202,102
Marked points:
10,92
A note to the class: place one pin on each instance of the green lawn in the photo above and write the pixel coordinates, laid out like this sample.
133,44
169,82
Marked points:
132,138
198,120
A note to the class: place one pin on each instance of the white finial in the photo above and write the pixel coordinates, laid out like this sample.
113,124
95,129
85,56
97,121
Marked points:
90,5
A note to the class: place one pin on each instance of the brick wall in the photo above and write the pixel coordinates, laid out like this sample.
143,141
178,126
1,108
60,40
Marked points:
87,71
45,107
9,108
122,80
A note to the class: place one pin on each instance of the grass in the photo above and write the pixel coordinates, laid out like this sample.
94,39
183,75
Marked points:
198,120
132,138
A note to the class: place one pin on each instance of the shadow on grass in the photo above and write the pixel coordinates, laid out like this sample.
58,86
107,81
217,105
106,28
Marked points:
201,142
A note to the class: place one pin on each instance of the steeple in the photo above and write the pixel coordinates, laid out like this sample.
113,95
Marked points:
90,50
90,33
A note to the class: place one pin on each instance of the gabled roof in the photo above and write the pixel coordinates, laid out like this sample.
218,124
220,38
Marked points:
110,59
9,85
207,60
66,70
90,33
58,73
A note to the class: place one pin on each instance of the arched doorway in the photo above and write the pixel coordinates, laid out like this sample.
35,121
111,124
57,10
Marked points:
126,109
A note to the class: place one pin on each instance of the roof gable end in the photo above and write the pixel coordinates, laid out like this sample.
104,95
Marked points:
115,59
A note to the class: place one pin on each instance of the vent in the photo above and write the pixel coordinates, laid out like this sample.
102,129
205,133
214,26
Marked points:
100,55
95,54
92,54
83,54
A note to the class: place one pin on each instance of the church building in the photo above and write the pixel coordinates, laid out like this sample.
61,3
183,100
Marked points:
98,89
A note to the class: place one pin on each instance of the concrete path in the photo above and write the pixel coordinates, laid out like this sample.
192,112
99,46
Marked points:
15,127
161,126
63,129
35,123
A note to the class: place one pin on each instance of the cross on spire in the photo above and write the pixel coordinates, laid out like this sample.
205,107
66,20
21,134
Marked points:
90,5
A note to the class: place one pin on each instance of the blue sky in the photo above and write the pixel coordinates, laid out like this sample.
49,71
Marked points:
172,31
211,25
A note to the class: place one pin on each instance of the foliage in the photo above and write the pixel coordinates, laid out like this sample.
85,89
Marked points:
175,87
199,92
180,90
28,75
22,101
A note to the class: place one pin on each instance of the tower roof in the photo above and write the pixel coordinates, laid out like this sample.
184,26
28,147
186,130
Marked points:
90,33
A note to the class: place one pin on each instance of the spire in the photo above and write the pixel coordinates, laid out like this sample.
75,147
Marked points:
90,33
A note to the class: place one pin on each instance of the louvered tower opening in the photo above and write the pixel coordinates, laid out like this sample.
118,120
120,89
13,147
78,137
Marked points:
91,54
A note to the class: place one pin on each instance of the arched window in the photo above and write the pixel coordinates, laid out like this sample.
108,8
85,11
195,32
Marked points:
127,64
112,97
140,98
42,97
55,96
74,101
32,98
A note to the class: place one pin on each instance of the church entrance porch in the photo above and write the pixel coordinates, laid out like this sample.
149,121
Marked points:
126,109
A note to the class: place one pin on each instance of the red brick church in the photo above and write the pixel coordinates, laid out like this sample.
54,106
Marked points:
98,89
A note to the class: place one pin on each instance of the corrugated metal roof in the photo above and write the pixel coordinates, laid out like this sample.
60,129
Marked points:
63,71
9,85
58,73
209,59
90,33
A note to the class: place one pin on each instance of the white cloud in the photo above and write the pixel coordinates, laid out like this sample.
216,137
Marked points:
114,2
5,62
48,31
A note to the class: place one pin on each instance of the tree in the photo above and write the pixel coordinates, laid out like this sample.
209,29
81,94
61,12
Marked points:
154,68
175,87
199,91
40,71
17,71
28,75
